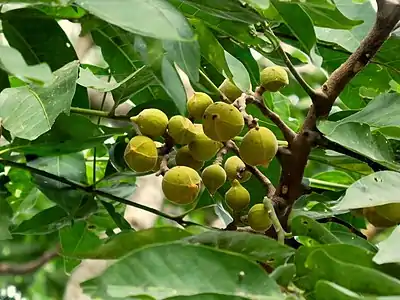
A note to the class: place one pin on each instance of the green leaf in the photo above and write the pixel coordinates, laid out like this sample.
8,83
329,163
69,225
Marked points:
186,55
133,274
210,47
125,242
212,297
119,220
28,112
337,177
376,189
363,279
358,138
257,247
89,80
284,274
12,62
77,238
121,184
69,134
240,76
388,249
298,22
71,166
305,226
166,21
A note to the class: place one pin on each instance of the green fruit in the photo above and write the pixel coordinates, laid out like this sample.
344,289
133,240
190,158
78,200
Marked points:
181,129
202,147
151,122
213,177
237,197
197,104
233,165
222,121
259,146
390,211
184,158
371,214
141,154
258,217
181,185
274,78
230,90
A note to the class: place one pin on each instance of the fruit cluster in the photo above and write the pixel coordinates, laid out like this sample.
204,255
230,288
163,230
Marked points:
199,143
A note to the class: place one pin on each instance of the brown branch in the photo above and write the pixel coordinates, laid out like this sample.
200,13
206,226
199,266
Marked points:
29,267
294,163
240,104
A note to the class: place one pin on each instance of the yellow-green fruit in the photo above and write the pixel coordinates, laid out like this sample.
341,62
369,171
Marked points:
222,121
181,129
184,158
203,148
258,218
390,211
181,185
151,122
197,104
371,214
259,146
237,197
230,90
274,78
141,154
233,165
213,176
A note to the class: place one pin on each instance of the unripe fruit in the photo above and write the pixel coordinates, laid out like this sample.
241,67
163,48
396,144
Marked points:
181,129
237,197
181,185
230,90
197,104
390,211
151,122
233,165
259,146
213,177
222,121
141,154
202,147
258,217
371,214
184,158
274,78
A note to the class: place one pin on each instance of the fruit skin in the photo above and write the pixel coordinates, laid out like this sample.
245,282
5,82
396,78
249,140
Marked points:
230,90
232,165
181,129
258,218
213,177
197,104
390,211
184,158
181,185
141,154
152,122
237,197
371,214
274,78
222,121
202,147
259,146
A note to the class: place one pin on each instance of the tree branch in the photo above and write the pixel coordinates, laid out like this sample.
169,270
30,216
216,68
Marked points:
294,163
97,113
29,267
93,191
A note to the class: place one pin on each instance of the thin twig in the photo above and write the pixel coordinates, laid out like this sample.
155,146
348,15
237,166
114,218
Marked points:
29,267
255,171
280,232
256,99
220,155
163,165
240,104
91,190
214,88
97,113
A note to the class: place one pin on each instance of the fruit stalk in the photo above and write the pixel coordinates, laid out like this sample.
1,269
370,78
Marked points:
280,232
